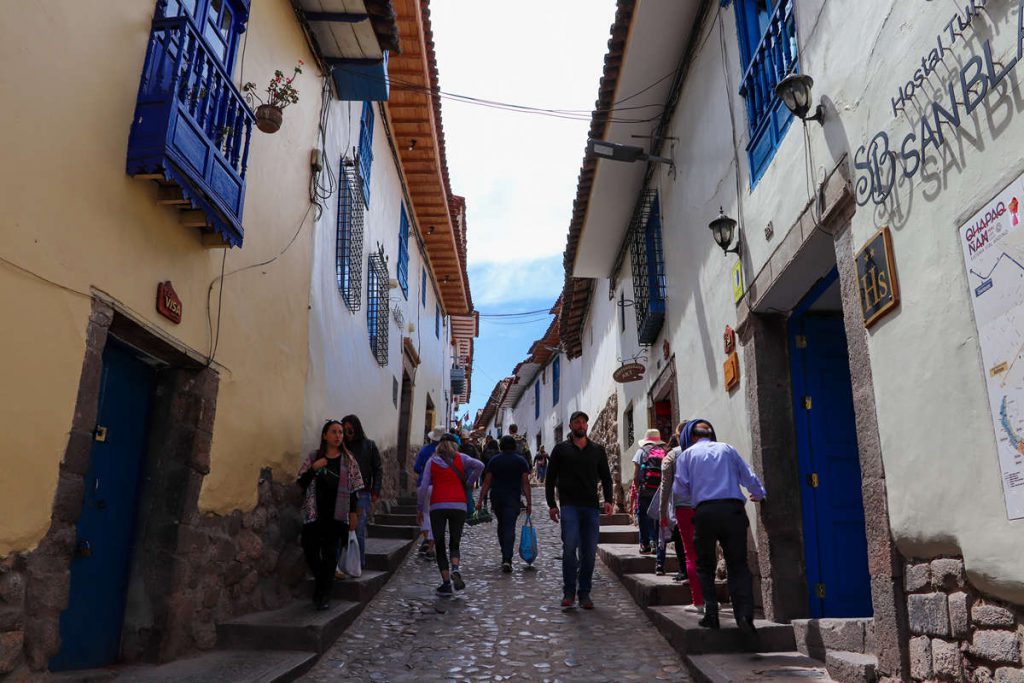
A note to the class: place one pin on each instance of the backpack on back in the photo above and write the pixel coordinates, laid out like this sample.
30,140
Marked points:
650,469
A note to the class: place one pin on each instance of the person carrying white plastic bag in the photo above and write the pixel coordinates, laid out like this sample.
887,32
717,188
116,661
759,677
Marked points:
350,562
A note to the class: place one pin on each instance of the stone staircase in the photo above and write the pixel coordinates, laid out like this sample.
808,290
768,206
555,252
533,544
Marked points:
824,650
280,645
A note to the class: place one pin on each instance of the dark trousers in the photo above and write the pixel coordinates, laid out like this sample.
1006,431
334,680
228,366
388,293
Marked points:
320,544
507,513
648,527
659,558
452,521
725,522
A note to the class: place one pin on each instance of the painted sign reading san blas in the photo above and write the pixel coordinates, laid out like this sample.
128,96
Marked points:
879,163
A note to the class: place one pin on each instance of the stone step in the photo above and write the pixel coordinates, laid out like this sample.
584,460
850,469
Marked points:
227,666
385,554
625,558
815,637
680,628
404,510
783,667
650,589
361,589
851,667
391,531
396,519
297,626
619,533
618,518
407,500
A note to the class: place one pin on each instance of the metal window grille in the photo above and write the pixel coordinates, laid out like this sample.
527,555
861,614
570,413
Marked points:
366,149
648,268
555,384
630,427
402,269
377,306
349,248
536,401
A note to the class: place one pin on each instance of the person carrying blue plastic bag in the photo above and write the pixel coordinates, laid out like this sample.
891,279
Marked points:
506,477
528,542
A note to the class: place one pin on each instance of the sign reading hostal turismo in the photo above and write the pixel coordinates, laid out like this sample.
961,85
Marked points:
876,278
630,372
993,246
167,302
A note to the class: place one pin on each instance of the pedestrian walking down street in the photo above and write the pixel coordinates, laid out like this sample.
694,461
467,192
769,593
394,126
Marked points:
647,479
505,477
444,494
490,448
709,473
331,480
366,454
522,445
576,467
541,461
681,519
433,437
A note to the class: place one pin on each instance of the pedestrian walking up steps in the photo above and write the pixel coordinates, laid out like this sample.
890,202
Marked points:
281,645
824,650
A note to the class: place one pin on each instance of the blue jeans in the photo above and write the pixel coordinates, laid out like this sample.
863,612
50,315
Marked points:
506,512
580,527
363,510
648,527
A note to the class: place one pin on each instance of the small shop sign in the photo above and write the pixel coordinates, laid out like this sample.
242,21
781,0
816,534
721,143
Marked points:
629,372
168,304
876,278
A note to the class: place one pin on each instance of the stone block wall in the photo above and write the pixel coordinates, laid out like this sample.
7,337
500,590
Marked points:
605,431
956,632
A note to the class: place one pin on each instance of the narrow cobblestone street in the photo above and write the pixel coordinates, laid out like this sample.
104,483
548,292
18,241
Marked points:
503,627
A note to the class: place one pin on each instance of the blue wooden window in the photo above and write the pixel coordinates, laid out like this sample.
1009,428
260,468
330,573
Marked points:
377,307
402,267
555,374
366,149
536,400
423,288
437,321
768,53
648,262
349,245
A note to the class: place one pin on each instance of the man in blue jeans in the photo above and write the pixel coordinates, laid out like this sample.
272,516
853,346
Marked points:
506,477
574,470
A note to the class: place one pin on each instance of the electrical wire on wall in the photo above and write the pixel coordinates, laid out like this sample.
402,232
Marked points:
323,183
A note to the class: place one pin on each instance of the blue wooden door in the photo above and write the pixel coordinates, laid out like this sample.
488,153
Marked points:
833,511
90,627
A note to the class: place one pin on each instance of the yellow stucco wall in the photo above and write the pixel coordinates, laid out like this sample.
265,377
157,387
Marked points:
72,215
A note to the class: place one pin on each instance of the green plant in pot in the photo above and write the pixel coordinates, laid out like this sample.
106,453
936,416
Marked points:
279,94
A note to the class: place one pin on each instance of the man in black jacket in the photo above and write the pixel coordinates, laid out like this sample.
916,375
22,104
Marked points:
366,454
575,468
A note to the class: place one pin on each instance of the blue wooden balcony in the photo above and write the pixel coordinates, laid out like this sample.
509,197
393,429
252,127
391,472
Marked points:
191,131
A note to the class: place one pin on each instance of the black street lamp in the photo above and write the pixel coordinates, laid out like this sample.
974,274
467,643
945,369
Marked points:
795,92
722,228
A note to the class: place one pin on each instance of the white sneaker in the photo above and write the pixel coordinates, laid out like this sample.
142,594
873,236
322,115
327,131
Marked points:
696,609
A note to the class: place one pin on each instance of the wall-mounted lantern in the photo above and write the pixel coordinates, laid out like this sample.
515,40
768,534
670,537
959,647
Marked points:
722,228
795,92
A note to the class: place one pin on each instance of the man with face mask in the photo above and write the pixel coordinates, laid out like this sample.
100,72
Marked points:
575,467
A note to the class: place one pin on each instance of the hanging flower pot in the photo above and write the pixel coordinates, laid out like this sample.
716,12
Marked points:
279,94
269,118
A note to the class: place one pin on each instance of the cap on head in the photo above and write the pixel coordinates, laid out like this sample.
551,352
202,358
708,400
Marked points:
579,414
436,433
651,436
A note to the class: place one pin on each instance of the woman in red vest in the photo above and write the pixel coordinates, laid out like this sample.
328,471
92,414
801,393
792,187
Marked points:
447,481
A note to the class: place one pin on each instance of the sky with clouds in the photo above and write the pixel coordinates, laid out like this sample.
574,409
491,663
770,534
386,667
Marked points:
516,170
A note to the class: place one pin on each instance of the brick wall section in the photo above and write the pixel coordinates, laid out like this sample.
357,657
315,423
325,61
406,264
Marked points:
605,431
956,632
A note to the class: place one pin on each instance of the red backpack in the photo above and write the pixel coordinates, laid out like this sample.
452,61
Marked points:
650,468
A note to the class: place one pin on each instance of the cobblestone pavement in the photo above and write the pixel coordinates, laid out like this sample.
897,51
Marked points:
503,627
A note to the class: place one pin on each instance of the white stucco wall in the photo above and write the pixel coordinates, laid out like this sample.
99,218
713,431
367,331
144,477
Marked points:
344,376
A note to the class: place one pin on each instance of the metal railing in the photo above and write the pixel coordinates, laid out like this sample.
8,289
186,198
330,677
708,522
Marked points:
772,60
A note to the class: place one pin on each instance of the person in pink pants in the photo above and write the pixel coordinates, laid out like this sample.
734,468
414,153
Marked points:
683,513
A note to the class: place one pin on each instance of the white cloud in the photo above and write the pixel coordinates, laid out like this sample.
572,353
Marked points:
518,171
502,285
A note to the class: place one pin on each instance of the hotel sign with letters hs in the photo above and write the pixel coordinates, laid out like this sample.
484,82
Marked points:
876,278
